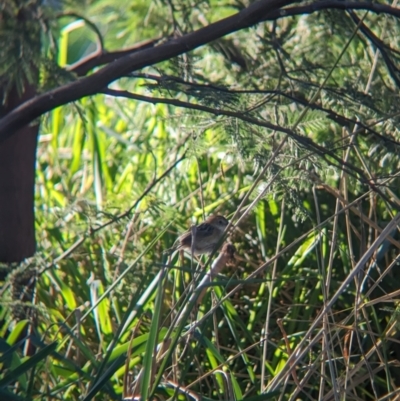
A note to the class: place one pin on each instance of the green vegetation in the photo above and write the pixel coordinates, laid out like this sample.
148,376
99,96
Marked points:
289,128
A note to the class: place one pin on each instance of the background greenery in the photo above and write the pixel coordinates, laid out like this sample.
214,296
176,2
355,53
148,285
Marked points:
118,179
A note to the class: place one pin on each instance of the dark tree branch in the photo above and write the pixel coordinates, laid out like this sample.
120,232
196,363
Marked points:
98,58
302,141
260,11
380,45
94,83
187,105
334,4
339,118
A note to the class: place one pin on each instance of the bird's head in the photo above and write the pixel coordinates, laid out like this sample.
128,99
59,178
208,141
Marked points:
218,221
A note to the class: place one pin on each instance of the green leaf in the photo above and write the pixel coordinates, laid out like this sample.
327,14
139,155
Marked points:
28,364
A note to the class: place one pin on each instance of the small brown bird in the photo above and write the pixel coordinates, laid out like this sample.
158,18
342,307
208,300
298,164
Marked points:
206,236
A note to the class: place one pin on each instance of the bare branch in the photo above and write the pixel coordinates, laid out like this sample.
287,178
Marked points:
334,4
94,83
327,154
383,48
331,114
259,11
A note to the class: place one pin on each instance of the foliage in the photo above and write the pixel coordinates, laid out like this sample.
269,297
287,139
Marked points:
288,128
22,26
